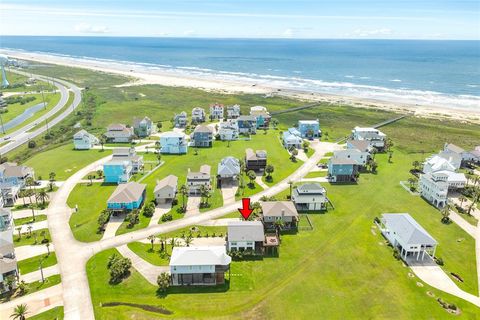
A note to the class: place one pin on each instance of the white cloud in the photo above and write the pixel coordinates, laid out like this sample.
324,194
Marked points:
189,33
288,33
374,32
88,28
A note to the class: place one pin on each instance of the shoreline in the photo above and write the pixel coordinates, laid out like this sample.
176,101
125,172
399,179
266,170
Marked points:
142,75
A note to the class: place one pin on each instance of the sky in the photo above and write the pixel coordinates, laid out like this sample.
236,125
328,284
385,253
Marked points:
352,19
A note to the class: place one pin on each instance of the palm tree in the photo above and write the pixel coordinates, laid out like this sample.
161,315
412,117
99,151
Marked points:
90,177
251,176
20,312
29,182
294,153
19,229
290,184
43,233
51,176
102,141
22,194
29,228
42,195
152,239
204,194
188,240
462,199
269,170
412,182
173,242
183,192
48,248
274,123
446,213
416,164
390,155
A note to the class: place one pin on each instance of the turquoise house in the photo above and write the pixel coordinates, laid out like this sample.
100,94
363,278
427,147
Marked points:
117,171
127,197
342,169
173,143
309,129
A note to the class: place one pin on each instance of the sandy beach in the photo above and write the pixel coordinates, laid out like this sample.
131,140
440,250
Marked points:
144,74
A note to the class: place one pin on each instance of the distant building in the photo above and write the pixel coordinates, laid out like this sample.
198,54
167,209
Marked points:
202,136
127,197
406,235
199,265
375,137
285,211
173,143
118,133
82,140
461,153
309,129
166,189
228,130
228,170
362,145
256,161
216,111
342,169
180,120
245,235
437,163
291,138
233,111
124,163
8,261
310,197
247,124
262,116
198,115
142,127
13,178
195,180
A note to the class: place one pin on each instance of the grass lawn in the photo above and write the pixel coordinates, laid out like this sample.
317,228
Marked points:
37,286
91,200
249,190
64,161
341,253
215,201
15,78
38,218
26,239
33,263
52,314
316,174
144,251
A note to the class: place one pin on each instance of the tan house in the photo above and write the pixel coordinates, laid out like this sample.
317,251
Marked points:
285,211
166,189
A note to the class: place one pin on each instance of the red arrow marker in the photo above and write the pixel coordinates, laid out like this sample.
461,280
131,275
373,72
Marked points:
245,211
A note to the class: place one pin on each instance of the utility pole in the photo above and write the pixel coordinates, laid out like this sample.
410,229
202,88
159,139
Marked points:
43,98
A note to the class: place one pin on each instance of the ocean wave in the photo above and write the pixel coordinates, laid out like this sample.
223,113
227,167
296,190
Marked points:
396,95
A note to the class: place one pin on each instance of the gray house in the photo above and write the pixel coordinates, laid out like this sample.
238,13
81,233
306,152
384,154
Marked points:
198,115
245,235
228,170
142,127
202,136
310,197
195,180
119,133
247,124
406,235
233,112
180,120
166,189
284,211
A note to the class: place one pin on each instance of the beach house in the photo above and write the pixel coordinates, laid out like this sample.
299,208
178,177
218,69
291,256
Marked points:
362,145
375,137
82,140
438,162
228,130
117,171
119,133
199,265
261,115
464,155
342,169
13,178
195,180
233,111
142,127
216,111
411,240
198,115
173,143
279,212
166,189
309,129
202,136
245,235
180,120
358,156
476,154
127,197
8,261
128,154
247,124
228,170
256,161
310,197
291,139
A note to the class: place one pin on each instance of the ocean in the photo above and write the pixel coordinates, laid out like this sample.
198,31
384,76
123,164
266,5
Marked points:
443,73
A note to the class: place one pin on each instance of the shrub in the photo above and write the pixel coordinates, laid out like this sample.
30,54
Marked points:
396,254
149,210
132,218
439,261
163,281
377,220
32,144
167,217
174,202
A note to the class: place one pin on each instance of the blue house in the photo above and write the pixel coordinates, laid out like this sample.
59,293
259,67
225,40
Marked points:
117,171
262,116
83,140
309,128
291,138
173,143
202,136
342,169
127,197
247,124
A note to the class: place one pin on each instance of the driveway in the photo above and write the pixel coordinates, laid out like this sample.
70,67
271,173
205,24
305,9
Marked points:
25,252
193,206
113,224
37,275
228,193
160,210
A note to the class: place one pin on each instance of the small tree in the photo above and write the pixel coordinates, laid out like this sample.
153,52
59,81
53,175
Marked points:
183,192
159,126
19,229
20,312
446,214
42,196
103,140
149,210
29,228
269,170
119,268
274,123
163,281
390,155
412,181
152,240
293,154
51,176
305,146
251,176
48,248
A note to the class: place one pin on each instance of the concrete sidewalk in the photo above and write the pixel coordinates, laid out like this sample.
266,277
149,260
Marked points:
37,276
25,252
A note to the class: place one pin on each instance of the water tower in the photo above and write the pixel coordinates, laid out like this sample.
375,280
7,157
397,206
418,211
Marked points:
3,62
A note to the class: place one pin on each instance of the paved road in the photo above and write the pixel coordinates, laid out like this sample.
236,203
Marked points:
21,136
72,255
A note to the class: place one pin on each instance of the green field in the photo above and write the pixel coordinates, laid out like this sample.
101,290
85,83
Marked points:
144,251
26,239
27,220
52,314
64,161
15,78
91,200
33,263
